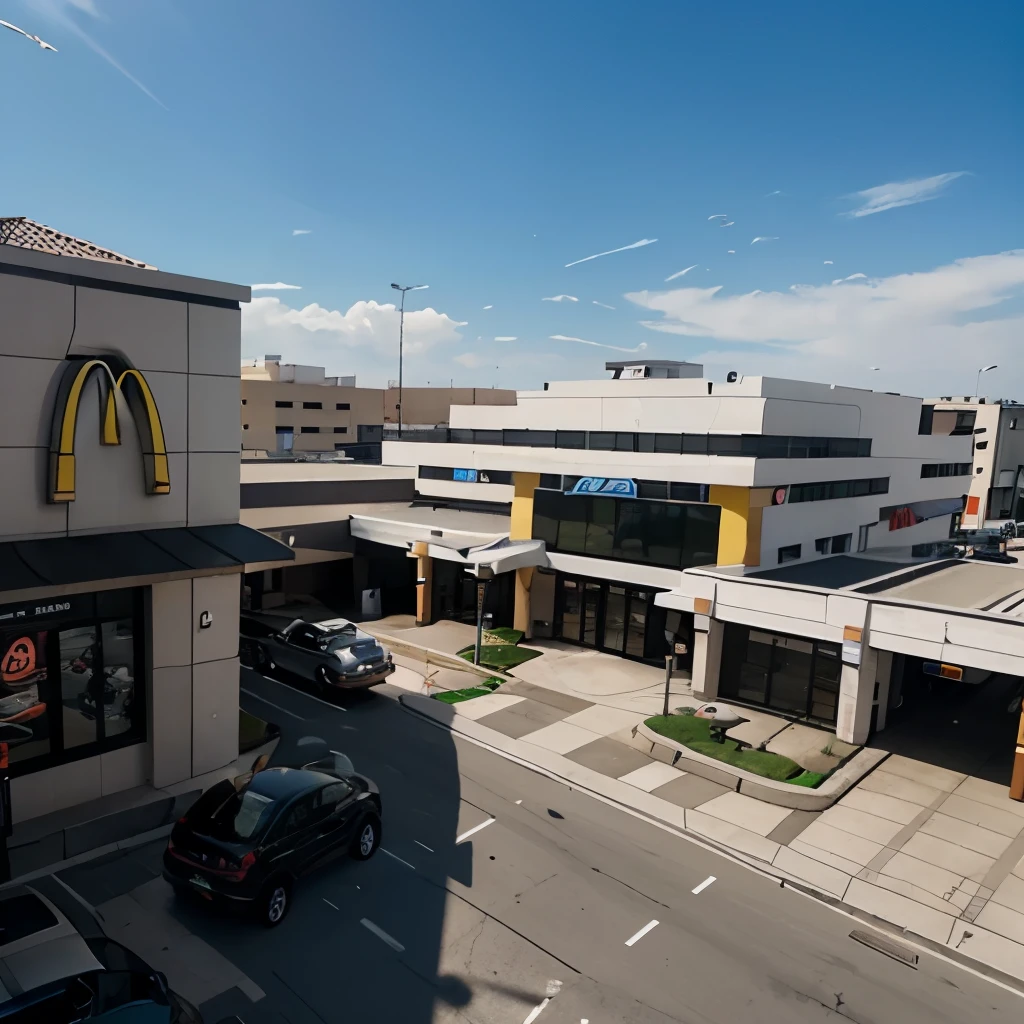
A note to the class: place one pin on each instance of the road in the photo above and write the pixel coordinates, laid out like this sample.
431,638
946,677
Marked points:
530,917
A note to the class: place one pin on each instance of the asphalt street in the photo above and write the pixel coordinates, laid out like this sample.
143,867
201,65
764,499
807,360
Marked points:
500,895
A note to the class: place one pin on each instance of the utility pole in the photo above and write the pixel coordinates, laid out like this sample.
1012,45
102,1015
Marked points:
401,332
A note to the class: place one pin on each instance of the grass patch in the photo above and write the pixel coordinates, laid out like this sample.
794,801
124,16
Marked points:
457,696
503,635
695,733
500,656
809,779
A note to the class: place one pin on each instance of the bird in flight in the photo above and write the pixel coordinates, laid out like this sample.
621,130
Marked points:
35,39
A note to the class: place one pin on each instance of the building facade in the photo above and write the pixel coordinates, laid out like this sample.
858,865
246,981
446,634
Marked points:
121,553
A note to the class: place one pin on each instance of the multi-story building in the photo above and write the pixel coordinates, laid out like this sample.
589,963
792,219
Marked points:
121,553
629,481
293,408
996,491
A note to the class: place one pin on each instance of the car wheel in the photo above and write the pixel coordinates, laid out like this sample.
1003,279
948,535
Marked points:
367,838
276,901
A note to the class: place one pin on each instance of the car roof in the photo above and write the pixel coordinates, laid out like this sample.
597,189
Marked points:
284,783
44,945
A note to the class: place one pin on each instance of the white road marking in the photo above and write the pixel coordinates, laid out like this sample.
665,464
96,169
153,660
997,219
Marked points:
519,801
473,830
382,935
536,1012
703,885
329,903
643,931
424,845
271,704
399,859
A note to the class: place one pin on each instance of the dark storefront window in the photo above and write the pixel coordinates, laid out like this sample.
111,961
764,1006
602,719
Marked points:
68,673
664,533
790,674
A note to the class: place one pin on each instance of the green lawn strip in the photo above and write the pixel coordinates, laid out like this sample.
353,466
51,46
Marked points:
503,635
500,656
695,733
457,696
810,779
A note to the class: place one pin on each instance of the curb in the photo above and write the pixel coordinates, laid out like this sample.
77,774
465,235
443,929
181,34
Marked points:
421,707
441,658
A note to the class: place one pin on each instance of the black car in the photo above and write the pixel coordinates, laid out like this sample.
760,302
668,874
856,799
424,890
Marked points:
245,842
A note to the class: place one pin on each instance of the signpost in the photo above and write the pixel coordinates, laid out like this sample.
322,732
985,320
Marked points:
481,593
669,658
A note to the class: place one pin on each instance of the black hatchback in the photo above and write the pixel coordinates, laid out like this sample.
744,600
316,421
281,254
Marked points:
246,842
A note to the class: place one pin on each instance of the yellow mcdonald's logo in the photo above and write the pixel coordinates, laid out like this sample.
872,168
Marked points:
136,391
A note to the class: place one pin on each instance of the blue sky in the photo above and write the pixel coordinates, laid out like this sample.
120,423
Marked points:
480,147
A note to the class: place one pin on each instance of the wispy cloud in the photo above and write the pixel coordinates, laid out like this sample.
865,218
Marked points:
506,337
901,193
727,223
717,216
277,286
634,245
777,192
57,11
301,231
488,307
765,238
603,305
828,263
679,273
597,344
856,277
470,360
971,305
560,298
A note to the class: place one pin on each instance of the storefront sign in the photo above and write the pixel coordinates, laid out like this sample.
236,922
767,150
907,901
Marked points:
132,384
205,620
64,609
619,488
465,475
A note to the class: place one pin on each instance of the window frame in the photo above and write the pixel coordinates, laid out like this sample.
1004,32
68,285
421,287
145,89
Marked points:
786,553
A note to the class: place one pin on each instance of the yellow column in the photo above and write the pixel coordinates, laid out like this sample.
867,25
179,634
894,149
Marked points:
732,530
424,572
1017,781
522,619
522,505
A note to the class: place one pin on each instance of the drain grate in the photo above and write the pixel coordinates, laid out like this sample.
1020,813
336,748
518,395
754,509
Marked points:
903,954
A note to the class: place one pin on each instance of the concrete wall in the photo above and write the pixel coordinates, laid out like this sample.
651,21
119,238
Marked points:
433,406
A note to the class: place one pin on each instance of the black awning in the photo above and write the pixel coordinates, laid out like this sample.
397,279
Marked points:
243,543
64,560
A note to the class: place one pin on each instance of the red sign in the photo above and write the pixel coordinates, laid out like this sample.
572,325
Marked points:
19,661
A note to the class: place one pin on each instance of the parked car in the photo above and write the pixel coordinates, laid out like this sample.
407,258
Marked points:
332,653
245,842
55,971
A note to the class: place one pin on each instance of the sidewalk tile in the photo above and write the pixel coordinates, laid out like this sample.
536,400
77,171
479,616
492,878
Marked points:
899,910
974,837
881,781
1018,869
522,719
860,823
947,855
1004,822
999,952
480,706
926,774
845,845
915,893
652,775
553,698
1010,894
689,791
881,806
603,720
732,836
1002,920
559,737
936,880
989,793
961,900
848,867
609,757
745,811
819,875
791,827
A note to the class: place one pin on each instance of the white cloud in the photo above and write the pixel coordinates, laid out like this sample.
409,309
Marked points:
924,327
765,238
506,337
828,263
603,305
901,193
597,344
856,277
608,252
363,338
488,307
560,298
680,273
301,231
277,286
470,360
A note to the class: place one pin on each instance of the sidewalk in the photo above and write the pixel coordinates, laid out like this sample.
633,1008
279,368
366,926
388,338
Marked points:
937,854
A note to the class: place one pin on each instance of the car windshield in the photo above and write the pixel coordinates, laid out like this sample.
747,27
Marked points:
240,816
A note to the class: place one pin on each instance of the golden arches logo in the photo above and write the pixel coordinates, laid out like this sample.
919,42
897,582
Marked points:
132,384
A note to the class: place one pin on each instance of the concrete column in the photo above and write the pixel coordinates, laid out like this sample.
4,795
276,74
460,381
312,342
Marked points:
424,589
522,617
707,656
856,695
170,695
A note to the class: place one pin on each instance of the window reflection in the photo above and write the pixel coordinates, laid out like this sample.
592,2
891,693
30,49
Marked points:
81,685
119,670
24,726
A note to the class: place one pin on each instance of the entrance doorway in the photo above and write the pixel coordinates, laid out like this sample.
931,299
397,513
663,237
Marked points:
453,595
611,617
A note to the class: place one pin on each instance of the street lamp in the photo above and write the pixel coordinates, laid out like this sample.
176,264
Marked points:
401,331
984,369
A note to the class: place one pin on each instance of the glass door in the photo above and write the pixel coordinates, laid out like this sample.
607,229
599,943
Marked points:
636,623
591,610
791,674
569,600
825,682
615,620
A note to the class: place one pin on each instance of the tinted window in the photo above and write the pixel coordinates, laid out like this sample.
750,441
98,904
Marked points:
487,436
645,442
695,444
222,813
687,492
308,639
545,517
789,553
23,915
552,481
602,440
672,444
312,405
657,489
570,439
299,814
342,406
572,525
773,447
601,527
461,436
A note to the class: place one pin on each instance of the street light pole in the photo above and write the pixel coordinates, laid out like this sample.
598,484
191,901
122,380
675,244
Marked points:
984,369
401,337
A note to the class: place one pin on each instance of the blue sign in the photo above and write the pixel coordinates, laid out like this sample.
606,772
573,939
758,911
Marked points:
619,488
465,475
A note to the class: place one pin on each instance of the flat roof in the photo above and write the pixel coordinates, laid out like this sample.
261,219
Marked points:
981,586
272,471
832,573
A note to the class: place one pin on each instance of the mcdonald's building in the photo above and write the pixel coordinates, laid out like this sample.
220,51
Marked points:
121,553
